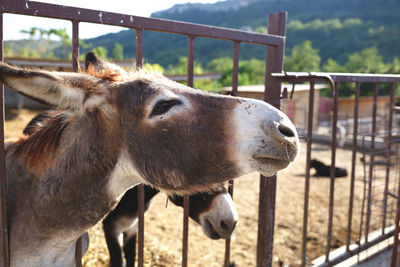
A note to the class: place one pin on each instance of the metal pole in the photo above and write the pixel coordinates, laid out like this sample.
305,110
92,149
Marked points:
5,260
266,208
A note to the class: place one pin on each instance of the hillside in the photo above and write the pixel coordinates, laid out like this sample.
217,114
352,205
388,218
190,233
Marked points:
337,28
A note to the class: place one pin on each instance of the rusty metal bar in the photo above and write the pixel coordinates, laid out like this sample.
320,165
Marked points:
185,241
139,48
101,17
344,77
141,204
266,206
186,204
4,256
228,241
374,111
235,74
396,235
75,46
364,246
353,164
332,181
235,69
75,67
307,181
388,155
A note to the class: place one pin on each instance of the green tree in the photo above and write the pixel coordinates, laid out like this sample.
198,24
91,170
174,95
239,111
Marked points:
118,52
303,58
101,51
220,65
181,67
366,61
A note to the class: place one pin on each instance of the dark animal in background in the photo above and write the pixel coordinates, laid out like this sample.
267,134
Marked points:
325,170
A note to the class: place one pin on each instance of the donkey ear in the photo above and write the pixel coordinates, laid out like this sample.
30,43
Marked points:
63,90
103,69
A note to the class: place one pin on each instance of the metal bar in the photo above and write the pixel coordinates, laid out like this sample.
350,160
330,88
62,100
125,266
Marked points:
388,155
266,207
75,68
75,46
364,246
139,48
374,110
4,256
344,77
235,74
332,181
235,69
186,204
228,241
94,16
396,235
190,61
141,208
185,241
353,164
307,181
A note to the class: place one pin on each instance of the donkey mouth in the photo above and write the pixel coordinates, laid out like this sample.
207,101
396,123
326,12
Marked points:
209,230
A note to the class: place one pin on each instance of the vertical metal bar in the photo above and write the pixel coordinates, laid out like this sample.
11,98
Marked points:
266,206
139,62
353,164
307,181
388,155
235,69
185,238
332,181
75,45
235,74
139,48
396,234
4,260
371,166
76,67
186,204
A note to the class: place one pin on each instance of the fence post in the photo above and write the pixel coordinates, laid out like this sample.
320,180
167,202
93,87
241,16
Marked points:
4,254
266,209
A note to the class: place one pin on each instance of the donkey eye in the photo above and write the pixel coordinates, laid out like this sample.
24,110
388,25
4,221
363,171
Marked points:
163,106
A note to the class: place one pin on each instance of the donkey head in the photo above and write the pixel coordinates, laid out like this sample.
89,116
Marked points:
171,136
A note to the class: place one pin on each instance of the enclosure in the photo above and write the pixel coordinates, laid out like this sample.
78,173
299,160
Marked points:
290,213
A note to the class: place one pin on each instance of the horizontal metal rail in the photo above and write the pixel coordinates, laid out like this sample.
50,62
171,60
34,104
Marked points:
136,22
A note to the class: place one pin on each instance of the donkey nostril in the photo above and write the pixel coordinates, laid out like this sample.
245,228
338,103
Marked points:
286,131
223,225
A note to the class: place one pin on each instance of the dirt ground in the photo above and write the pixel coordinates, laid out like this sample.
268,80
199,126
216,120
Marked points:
163,225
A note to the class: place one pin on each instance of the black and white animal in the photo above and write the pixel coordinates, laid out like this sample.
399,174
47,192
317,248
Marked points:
214,211
325,170
117,132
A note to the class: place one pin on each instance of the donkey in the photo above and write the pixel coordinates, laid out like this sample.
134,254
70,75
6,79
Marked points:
119,132
213,210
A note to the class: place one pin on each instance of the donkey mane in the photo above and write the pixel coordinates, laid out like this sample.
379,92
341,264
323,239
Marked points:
106,74
37,151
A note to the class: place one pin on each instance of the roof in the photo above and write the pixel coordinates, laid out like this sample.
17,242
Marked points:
259,88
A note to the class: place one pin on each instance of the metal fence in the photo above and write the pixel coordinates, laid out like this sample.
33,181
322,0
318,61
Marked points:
390,176
274,43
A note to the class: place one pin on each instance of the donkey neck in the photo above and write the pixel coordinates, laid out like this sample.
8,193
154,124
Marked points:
70,196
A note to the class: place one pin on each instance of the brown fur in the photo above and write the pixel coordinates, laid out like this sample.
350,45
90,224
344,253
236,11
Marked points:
106,74
37,152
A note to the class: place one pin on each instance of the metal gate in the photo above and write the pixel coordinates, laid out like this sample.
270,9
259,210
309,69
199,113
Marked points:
274,43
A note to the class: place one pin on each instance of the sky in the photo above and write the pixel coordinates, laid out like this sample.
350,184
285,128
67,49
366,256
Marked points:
13,24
